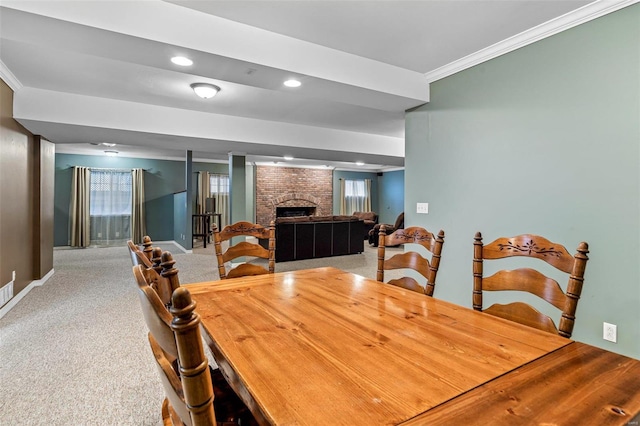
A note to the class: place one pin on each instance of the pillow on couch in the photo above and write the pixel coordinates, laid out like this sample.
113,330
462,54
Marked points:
369,218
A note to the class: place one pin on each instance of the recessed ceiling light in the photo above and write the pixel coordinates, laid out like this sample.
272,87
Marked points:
359,163
111,153
288,157
205,90
292,83
182,61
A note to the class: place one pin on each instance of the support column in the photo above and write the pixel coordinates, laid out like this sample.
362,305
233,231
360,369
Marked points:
188,181
237,188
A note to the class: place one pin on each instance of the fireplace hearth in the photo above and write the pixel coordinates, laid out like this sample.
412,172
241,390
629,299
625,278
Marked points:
295,211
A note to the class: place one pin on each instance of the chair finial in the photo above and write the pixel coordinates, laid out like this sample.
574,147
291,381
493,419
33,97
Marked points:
168,271
181,302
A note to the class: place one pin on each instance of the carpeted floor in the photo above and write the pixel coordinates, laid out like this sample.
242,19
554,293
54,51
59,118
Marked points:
75,351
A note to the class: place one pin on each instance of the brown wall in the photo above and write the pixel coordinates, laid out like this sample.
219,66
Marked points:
292,187
43,191
26,200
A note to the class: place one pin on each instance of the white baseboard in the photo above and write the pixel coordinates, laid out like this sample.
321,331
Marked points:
18,297
182,249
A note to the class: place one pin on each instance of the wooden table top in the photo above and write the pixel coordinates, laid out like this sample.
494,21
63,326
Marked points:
575,385
324,346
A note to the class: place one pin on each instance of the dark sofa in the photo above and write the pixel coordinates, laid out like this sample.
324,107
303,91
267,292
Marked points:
307,237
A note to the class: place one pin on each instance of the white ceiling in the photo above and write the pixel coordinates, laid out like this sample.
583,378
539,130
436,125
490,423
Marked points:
99,71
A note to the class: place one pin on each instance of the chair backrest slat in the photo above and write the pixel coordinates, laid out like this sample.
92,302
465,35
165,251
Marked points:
529,280
533,246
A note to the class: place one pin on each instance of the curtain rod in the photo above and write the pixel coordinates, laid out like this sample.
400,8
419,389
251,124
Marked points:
211,173
114,169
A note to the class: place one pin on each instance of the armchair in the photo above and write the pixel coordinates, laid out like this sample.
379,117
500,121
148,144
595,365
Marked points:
389,229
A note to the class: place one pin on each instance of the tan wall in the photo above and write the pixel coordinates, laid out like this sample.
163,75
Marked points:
26,200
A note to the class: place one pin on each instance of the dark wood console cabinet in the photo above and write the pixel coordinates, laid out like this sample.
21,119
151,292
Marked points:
308,239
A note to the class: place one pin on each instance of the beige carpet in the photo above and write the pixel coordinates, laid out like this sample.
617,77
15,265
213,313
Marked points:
75,352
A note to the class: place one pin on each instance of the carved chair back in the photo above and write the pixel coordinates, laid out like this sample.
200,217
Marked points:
244,248
411,259
531,280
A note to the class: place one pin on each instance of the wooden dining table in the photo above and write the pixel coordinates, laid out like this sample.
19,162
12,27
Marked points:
328,347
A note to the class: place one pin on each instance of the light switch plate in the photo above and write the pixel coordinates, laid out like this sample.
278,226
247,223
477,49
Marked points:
422,208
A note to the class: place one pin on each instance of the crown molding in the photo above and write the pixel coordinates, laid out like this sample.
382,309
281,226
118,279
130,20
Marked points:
569,20
9,78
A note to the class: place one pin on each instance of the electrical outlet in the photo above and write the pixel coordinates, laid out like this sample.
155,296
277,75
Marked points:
610,332
13,275
422,208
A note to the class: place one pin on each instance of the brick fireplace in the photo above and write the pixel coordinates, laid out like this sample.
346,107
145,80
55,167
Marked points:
295,190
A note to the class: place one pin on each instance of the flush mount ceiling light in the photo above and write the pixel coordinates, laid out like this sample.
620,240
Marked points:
182,61
359,163
107,144
111,153
205,90
288,157
292,83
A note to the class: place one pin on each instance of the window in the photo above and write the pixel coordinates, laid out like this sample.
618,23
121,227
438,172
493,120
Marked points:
354,188
110,206
219,184
110,193
356,196
219,191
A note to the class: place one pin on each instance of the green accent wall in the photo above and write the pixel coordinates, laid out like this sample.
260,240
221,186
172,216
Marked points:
543,140
181,226
163,178
391,196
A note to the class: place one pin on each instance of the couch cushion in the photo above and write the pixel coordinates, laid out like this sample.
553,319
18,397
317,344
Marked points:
321,218
344,218
292,219
366,216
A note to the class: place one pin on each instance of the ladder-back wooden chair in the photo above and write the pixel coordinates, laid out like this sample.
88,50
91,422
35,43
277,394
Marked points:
244,248
411,259
531,280
176,342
